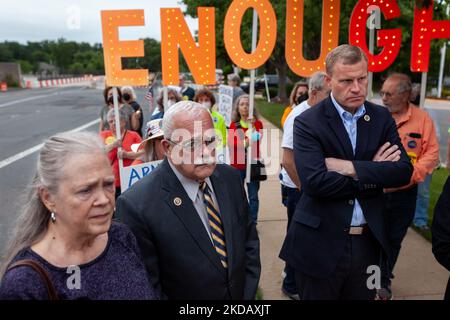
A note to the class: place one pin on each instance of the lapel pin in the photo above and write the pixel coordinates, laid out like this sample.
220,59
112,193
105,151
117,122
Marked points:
177,201
367,117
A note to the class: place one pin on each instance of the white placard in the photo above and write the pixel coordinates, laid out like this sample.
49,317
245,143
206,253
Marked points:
225,103
132,174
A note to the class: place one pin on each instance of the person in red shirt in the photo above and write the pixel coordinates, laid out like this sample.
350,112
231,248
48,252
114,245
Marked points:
112,143
238,143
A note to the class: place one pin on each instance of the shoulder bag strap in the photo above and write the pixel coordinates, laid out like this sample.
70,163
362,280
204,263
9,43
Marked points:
52,294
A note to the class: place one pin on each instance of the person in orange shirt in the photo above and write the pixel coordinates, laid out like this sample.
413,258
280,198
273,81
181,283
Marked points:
298,94
112,143
417,132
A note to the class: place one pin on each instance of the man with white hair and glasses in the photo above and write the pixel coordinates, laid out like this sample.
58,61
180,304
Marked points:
191,216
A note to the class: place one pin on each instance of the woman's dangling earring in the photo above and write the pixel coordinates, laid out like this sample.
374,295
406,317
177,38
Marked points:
53,217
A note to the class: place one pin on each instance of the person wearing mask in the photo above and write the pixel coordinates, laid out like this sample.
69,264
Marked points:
418,136
207,99
298,94
66,229
172,97
129,97
239,143
290,183
131,121
112,144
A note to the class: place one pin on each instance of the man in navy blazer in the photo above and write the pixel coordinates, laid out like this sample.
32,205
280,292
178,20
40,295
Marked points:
193,249
346,151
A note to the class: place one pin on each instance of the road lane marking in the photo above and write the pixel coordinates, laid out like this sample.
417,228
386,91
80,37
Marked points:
27,99
32,150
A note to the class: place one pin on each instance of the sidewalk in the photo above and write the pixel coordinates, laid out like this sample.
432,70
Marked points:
417,274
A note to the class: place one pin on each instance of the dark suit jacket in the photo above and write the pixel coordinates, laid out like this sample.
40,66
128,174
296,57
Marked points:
178,253
441,231
316,239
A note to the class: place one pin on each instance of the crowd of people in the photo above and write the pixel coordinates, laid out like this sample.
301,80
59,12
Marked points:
350,176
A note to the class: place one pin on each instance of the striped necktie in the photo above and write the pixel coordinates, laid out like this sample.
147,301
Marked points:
215,222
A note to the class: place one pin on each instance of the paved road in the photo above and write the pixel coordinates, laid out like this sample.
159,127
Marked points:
27,118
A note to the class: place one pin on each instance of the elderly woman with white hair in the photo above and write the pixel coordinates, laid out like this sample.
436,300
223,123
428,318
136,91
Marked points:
65,245
129,97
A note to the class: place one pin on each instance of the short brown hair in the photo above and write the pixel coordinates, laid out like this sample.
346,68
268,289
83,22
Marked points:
207,93
105,94
347,54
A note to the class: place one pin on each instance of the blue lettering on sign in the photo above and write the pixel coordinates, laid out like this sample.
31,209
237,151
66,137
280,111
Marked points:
145,171
135,177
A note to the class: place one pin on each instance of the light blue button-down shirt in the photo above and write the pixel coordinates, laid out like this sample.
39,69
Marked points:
350,123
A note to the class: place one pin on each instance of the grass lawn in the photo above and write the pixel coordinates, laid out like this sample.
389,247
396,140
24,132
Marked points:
273,112
437,183
270,111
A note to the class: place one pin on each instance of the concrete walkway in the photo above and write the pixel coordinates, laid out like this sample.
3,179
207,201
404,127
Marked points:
417,273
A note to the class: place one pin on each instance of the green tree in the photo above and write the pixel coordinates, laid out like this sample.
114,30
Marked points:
152,58
26,66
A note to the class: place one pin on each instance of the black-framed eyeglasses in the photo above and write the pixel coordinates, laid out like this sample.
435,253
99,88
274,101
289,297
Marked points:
195,144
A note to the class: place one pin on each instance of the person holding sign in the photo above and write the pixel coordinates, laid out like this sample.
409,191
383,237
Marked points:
129,97
346,151
190,216
112,144
66,245
152,146
238,144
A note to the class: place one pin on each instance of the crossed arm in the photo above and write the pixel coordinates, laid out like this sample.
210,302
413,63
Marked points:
338,178
387,152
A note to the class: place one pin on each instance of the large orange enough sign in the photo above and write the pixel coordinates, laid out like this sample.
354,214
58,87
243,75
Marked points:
114,50
200,55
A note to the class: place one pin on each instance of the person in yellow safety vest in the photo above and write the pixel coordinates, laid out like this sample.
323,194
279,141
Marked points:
206,98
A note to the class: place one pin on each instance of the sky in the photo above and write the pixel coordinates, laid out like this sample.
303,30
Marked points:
77,20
